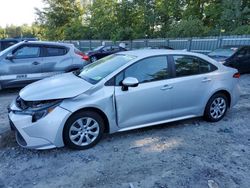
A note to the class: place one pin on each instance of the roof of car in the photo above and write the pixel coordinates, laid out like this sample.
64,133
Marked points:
154,52
48,43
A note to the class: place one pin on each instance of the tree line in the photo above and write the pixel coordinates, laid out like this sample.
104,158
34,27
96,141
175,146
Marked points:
132,19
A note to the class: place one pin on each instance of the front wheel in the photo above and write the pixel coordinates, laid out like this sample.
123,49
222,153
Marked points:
216,107
83,130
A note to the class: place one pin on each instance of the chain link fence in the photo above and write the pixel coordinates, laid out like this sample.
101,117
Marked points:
201,45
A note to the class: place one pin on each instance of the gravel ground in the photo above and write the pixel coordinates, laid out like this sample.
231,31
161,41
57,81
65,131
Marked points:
191,153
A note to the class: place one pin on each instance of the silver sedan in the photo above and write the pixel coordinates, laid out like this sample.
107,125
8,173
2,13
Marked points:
121,92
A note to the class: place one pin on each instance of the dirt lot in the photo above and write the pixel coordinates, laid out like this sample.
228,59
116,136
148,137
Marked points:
191,153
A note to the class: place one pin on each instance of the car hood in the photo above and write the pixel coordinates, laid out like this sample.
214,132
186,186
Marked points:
57,87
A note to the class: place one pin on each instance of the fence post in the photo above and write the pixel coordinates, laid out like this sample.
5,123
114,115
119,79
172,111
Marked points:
190,44
146,43
219,42
167,42
131,45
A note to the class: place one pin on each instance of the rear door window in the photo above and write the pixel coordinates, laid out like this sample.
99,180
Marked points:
55,51
189,65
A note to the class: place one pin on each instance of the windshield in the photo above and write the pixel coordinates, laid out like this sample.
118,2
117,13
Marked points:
97,48
98,70
7,49
226,52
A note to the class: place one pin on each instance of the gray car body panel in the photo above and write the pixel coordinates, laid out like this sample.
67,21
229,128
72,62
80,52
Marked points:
20,72
141,106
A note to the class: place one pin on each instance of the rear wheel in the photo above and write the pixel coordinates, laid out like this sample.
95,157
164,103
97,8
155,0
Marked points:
83,130
216,107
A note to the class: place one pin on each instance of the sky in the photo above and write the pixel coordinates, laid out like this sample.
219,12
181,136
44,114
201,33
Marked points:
18,12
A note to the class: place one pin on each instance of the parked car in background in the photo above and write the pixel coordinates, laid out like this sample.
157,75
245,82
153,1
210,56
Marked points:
103,51
26,62
221,54
240,60
162,47
124,91
5,43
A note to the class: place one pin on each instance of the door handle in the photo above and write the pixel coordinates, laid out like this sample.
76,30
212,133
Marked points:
35,63
206,80
166,87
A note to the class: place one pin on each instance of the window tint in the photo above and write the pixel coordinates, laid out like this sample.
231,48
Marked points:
148,70
115,48
244,52
27,52
56,51
107,49
186,65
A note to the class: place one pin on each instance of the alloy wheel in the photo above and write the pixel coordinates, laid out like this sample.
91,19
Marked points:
218,108
84,131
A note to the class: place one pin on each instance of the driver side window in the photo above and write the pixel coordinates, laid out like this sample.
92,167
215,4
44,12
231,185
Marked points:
146,70
27,52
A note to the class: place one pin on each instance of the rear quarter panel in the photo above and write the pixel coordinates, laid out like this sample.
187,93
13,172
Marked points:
76,61
223,80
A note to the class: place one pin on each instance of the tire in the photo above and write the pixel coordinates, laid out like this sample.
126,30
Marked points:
216,107
93,59
83,130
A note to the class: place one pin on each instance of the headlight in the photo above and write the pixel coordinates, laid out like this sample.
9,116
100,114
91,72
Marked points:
42,108
37,109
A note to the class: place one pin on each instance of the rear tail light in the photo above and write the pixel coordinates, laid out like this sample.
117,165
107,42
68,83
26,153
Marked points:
236,75
83,56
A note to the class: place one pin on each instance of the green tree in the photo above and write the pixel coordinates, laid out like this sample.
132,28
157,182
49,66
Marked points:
234,14
191,27
2,33
103,22
130,19
59,15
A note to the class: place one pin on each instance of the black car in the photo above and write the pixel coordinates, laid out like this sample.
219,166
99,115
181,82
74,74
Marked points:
103,51
221,54
240,60
5,43
162,47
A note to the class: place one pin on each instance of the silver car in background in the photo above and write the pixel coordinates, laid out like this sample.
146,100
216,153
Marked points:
26,62
121,92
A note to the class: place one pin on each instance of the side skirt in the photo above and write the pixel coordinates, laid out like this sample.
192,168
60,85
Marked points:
156,123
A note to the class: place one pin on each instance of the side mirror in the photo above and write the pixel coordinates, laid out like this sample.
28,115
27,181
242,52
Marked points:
10,56
129,82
